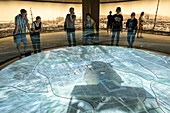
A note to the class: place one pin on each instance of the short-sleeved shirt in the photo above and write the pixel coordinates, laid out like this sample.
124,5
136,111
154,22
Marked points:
132,24
117,22
34,25
22,22
69,23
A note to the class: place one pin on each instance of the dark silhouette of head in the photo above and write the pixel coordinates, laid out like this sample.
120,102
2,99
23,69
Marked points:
118,9
71,10
142,13
110,12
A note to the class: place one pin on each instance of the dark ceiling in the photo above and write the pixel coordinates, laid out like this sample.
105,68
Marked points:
73,1
79,1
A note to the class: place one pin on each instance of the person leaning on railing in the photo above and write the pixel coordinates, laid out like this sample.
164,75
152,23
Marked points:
37,27
21,22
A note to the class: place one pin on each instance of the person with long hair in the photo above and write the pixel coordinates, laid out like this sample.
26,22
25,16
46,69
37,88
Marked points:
141,23
89,26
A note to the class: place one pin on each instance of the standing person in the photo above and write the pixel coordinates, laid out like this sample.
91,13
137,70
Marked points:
89,25
35,35
109,23
141,23
70,26
131,26
21,22
116,25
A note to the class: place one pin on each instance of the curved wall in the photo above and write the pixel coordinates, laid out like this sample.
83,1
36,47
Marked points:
53,15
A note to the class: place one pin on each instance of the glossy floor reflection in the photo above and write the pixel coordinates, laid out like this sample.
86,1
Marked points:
100,79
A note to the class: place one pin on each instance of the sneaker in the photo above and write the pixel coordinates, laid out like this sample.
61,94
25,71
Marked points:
137,36
141,36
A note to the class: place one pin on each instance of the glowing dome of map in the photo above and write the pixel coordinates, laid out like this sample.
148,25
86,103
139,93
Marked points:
81,79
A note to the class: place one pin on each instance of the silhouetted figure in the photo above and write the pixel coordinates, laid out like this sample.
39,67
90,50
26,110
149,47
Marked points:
37,27
21,22
89,25
116,25
131,26
70,27
141,23
109,23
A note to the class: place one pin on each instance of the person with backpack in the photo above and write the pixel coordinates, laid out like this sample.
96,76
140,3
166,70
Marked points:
70,26
117,25
131,26
37,27
89,26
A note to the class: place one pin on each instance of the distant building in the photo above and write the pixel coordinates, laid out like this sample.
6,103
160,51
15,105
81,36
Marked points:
59,19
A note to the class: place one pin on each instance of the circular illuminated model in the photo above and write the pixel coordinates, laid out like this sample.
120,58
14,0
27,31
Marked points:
87,79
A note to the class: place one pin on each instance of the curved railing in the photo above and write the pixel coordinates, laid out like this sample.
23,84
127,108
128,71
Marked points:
153,40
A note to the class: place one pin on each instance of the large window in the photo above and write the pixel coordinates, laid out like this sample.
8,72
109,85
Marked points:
52,14
148,6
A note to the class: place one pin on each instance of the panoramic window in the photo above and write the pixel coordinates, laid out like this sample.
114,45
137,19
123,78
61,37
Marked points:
84,56
52,14
149,7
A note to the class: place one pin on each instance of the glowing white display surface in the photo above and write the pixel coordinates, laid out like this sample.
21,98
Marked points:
103,79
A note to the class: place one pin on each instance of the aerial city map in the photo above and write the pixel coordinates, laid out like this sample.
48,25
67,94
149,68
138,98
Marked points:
87,79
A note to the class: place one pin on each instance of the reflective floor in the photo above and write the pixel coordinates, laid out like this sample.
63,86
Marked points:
87,79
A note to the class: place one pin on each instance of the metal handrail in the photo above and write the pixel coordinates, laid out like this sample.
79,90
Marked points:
124,29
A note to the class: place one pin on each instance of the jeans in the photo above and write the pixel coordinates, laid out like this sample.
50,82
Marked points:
131,37
113,36
20,38
36,42
69,38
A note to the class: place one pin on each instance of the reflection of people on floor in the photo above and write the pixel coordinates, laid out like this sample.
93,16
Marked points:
131,26
109,23
70,27
35,35
116,25
89,25
141,23
21,22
